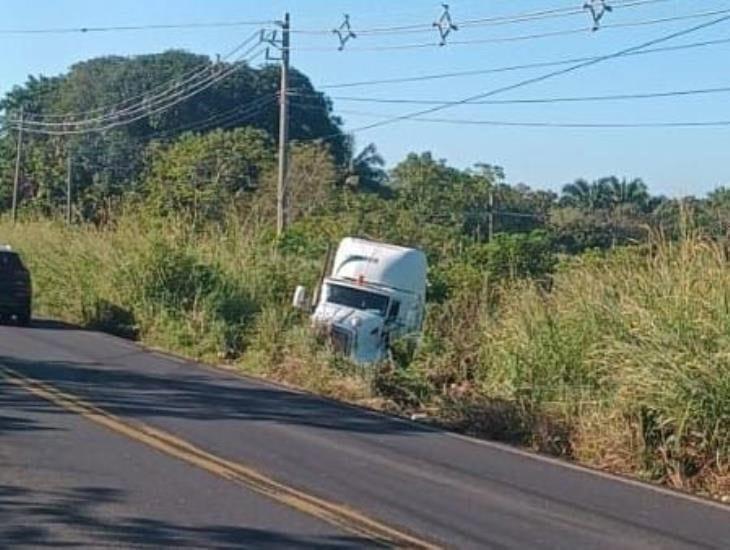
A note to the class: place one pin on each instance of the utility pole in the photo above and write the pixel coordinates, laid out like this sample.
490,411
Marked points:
281,190
490,230
68,188
17,167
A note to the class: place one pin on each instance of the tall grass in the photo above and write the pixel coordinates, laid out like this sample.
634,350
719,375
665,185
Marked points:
623,364
631,355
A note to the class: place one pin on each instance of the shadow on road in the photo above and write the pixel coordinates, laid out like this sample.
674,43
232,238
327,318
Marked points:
11,401
80,516
196,394
50,324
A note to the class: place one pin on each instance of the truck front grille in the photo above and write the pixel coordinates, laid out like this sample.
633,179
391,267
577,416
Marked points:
341,340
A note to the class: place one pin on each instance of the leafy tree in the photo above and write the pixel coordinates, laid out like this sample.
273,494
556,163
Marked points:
717,212
312,185
519,255
444,195
576,230
201,175
312,178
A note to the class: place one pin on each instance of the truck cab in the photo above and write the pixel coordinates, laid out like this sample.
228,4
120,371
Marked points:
373,295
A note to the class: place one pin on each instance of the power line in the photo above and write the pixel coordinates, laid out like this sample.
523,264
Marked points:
522,17
418,27
546,76
69,30
235,115
549,13
528,101
510,68
253,109
533,124
150,102
176,99
577,125
528,37
219,120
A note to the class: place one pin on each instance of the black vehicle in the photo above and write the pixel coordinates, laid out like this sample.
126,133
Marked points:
15,288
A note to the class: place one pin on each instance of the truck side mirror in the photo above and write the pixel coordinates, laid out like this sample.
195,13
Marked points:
300,298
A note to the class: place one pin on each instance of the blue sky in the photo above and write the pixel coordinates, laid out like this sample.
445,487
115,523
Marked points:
673,161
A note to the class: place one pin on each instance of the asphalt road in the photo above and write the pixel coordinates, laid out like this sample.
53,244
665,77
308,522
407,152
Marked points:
121,447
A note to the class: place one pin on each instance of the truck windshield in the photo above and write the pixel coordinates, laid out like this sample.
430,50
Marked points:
356,298
9,262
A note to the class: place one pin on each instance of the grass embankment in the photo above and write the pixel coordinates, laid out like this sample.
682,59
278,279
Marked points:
623,365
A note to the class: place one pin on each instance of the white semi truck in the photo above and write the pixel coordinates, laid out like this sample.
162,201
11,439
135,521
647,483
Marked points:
372,294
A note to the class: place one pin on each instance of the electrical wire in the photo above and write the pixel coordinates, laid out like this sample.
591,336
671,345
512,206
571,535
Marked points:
510,68
526,37
546,76
69,30
540,124
528,101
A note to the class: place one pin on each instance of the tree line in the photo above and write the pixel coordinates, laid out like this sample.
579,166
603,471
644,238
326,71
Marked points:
157,161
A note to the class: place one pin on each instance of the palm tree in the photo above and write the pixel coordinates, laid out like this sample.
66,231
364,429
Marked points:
368,166
608,192
623,192
584,195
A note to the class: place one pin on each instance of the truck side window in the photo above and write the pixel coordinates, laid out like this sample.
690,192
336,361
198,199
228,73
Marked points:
394,310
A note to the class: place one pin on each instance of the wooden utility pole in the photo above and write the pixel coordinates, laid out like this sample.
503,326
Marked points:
281,189
16,180
69,166
490,229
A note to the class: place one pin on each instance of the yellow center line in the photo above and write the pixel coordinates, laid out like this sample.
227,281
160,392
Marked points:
333,513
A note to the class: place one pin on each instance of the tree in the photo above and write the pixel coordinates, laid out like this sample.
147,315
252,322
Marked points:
368,169
311,184
576,229
607,192
585,195
444,195
201,175
110,164
519,255
623,192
